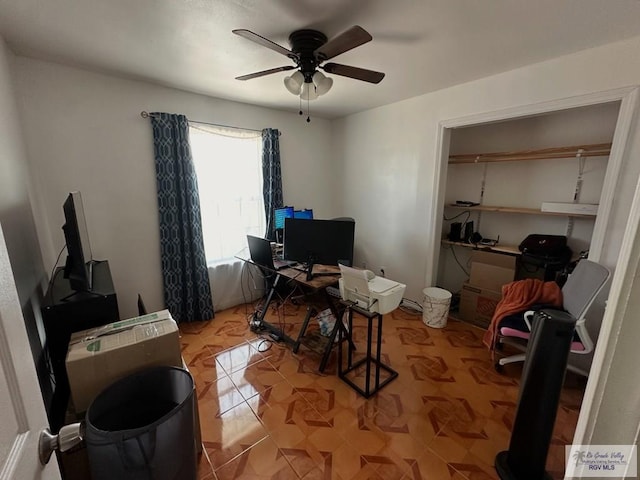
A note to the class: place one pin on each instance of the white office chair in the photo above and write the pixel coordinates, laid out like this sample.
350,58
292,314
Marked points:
578,293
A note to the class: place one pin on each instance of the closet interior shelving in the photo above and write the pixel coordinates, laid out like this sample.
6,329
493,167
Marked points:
575,151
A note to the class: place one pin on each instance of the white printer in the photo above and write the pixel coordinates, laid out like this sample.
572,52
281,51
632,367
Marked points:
372,293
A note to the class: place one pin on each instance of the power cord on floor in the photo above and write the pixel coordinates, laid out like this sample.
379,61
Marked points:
410,306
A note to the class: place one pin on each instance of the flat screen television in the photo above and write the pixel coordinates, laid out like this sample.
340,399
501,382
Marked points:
326,242
78,268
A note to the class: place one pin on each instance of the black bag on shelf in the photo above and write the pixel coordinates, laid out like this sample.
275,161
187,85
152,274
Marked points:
544,245
549,252
554,262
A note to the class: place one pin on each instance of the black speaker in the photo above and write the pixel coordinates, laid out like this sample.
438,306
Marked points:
455,232
468,232
540,386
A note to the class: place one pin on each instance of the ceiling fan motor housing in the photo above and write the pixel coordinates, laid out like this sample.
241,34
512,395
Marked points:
304,43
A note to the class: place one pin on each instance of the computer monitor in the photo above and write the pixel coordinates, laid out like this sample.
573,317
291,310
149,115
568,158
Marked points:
78,267
306,213
281,214
327,242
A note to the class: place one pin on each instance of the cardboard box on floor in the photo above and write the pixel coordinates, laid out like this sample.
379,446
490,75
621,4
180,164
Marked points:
480,296
98,357
477,305
490,270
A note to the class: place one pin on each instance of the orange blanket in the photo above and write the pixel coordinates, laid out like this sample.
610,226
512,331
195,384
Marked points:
517,297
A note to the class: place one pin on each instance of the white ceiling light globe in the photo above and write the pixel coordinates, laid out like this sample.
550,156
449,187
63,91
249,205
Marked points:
308,91
323,84
294,82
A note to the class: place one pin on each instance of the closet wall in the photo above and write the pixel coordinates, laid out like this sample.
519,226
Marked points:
524,184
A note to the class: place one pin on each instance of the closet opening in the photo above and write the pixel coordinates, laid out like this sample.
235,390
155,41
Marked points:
595,119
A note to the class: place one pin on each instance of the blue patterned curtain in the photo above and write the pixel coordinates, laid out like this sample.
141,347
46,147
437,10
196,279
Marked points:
272,178
187,292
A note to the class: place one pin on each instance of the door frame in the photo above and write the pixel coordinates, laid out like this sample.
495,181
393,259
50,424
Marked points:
628,98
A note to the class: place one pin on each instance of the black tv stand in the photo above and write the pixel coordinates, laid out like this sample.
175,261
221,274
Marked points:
65,311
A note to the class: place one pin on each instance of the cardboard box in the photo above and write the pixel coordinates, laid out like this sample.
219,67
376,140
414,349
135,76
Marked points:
477,305
491,270
98,357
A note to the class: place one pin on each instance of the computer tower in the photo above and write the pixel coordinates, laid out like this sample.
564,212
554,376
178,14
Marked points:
541,383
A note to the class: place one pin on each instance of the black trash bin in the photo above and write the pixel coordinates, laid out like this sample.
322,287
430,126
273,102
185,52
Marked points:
142,427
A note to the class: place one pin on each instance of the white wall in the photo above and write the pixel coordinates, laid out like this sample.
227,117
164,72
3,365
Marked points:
84,132
390,157
17,219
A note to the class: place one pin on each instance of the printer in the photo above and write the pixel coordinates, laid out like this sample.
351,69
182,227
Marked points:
369,292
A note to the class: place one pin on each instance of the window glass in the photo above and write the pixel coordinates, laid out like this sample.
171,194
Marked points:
228,165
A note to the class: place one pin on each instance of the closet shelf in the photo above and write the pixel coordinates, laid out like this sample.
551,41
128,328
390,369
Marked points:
508,249
527,211
592,150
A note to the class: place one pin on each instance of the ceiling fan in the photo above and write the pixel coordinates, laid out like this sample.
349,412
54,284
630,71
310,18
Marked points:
309,50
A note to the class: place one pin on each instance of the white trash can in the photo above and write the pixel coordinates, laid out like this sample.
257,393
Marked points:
435,307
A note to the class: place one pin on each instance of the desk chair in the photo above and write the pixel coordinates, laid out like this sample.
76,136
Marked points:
578,293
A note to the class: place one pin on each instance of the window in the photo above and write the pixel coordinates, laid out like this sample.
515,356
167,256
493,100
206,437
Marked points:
228,164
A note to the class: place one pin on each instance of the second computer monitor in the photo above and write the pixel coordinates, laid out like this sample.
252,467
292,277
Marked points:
282,213
306,213
327,242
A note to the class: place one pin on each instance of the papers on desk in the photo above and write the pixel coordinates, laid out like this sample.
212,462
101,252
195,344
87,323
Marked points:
372,293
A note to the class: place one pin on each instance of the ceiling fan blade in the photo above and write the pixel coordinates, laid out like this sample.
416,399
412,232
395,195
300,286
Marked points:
265,72
265,42
353,72
352,38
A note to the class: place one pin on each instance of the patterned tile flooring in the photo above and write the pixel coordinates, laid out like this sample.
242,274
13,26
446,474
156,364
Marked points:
267,413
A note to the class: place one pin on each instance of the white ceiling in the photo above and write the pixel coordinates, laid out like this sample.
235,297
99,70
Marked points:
421,45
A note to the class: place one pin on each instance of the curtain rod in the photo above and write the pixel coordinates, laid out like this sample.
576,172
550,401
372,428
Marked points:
144,114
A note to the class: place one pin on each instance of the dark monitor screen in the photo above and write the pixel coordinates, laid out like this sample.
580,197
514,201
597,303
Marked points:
324,241
281,214
79,259
306,213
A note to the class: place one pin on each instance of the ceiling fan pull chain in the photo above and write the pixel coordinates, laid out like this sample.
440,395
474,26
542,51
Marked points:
300,112
308,117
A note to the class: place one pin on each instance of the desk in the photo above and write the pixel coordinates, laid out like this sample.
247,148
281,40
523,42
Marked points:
324,276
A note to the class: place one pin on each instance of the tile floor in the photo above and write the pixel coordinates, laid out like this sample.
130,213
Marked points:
267,413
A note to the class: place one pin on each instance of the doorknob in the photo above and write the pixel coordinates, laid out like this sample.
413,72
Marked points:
67,437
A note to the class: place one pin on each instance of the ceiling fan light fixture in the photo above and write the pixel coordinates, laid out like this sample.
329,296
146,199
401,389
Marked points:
294,82
323,84
308,91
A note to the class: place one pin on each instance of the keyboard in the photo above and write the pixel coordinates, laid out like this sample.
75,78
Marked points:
280,264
